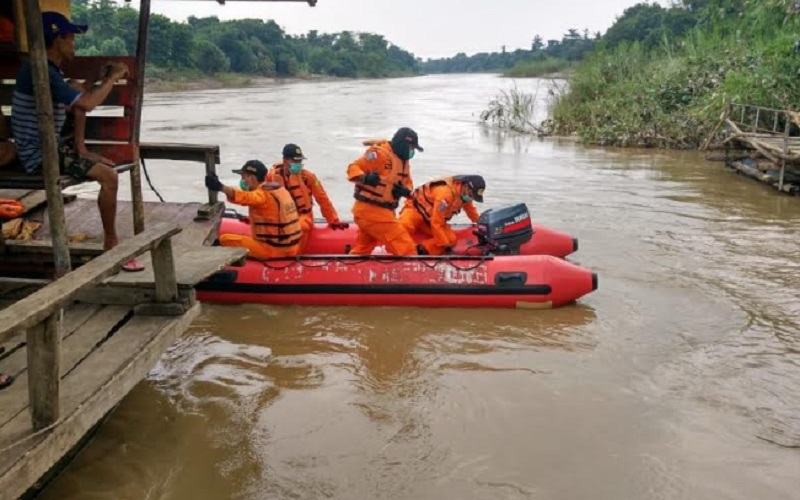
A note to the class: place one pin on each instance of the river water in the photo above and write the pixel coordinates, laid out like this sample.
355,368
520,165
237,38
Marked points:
677,379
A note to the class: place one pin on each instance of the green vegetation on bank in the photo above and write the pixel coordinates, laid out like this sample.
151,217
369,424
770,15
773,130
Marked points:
554,56
208,46
661,77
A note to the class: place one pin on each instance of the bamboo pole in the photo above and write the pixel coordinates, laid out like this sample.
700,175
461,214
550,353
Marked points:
44,345
136,171
785,151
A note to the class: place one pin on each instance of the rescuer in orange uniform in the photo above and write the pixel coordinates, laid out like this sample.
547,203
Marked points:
304,187
382,176
431,206
274,224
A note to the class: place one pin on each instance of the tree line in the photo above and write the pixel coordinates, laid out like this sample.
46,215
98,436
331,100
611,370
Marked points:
249,46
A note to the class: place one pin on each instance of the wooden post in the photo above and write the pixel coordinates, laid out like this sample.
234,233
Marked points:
755,123
211,168
44,367
136,171
786,131
164,272
44,110
44,347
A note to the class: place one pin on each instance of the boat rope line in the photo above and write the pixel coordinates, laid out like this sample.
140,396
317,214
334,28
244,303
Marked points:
149,183
280,264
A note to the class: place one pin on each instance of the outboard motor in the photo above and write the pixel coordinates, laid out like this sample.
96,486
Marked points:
502,231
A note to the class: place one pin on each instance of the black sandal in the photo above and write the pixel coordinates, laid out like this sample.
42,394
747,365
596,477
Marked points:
5,381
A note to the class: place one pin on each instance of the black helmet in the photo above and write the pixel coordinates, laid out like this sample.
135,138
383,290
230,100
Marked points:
403,141
475,183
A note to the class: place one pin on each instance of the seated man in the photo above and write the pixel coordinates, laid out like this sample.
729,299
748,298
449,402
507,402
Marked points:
274,223
304,187
59,35
431,206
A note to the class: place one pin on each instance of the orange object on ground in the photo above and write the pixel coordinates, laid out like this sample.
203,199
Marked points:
11,209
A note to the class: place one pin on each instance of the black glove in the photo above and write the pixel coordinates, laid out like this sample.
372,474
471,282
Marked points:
399,190
213,183
371,179
338,225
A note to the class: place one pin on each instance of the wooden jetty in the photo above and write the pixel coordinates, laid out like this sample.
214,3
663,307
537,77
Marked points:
761,143
77,334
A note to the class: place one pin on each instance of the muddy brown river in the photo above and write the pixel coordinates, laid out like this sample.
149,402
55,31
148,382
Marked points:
678,379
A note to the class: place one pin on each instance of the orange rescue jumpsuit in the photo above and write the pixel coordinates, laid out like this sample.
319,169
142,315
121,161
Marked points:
374,209
304,187
274,224
429,209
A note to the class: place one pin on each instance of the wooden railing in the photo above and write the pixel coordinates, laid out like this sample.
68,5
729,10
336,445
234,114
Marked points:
761,121
40,314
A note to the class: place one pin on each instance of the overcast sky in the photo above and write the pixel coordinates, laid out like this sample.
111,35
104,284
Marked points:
428,28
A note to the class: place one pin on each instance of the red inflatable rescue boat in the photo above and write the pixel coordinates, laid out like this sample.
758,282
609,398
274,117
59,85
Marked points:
521,281
499,277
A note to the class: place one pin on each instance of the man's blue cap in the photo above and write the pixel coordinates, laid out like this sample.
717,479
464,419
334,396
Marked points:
56,24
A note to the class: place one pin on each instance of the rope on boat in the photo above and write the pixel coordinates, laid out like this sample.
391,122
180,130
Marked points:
430,263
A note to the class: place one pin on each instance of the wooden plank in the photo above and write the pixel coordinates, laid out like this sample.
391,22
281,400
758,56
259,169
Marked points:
192,266
114,295
179,152
89,392
36,307
16,360
75,347
44,370
39,247
164,272
88,67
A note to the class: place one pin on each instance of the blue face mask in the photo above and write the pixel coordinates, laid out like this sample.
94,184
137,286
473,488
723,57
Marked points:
466,198
411,153
295,168
243,185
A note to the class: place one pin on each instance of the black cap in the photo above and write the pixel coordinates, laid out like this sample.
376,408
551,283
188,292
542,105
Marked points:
475,183
253,167
293,152
408,135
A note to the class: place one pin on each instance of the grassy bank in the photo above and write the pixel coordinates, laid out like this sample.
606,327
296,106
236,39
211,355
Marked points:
672,94
553,68
166,80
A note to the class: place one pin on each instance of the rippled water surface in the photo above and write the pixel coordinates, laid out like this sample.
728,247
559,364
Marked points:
677,379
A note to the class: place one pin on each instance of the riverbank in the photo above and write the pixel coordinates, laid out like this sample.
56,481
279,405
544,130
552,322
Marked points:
175,83
672,95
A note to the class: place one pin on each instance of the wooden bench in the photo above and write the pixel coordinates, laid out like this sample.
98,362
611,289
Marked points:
109,129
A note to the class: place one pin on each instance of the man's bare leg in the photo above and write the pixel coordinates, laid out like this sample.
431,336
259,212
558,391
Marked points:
108,179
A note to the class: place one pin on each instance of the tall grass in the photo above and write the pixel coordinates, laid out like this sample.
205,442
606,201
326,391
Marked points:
538,68
512,109
672,96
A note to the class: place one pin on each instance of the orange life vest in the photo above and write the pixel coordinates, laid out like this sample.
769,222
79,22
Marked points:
276,223
11,209
395,170
298,185
423,199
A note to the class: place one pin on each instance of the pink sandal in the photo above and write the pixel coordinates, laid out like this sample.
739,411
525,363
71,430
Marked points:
133,266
